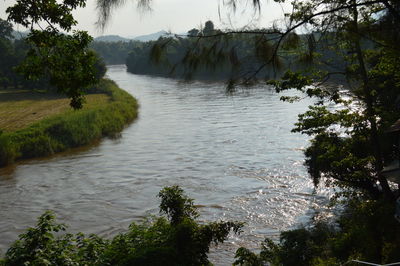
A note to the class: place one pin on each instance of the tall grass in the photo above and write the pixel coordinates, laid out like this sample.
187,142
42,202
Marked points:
70,129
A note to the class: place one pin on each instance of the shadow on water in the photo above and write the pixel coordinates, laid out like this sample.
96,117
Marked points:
8,171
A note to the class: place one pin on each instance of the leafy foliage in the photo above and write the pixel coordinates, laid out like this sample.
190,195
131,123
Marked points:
13,53
351,144
114,53
206,53
177,241
10,54
365,231
5,29
356,40
105,8
41,246
175,205
64,59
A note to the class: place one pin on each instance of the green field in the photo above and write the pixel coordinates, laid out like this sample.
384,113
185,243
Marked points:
34,124
21,108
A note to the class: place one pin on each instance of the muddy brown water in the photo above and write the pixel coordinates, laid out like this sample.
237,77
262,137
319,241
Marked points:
234,154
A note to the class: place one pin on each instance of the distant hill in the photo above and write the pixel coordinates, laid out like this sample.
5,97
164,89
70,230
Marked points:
150,37
19,34
141,38
111,38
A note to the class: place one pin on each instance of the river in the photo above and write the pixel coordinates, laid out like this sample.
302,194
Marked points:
234,154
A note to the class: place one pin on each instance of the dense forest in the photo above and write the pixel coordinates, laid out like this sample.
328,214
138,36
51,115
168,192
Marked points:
210,54
114,53
204,53
12,53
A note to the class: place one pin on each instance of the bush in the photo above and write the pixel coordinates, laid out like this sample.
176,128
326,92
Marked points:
178,240
7,150
365,231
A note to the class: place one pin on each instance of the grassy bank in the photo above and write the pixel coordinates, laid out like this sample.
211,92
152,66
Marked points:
105,115
22,108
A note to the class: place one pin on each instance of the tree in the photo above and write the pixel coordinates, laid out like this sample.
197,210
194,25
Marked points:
353,156
350,145
64,59
193,32
6,52
5,29
355,39
180,240
208,28
105,8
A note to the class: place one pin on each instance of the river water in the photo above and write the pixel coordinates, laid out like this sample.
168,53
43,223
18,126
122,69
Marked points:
234,154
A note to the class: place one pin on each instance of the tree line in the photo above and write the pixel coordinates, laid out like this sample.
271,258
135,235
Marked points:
204,53
114,53
213,54
12,53
350,146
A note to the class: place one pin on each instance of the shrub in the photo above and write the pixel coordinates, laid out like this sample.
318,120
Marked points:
365,230
7,150
178,240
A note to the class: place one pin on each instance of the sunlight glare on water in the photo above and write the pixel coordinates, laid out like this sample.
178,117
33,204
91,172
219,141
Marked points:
234,154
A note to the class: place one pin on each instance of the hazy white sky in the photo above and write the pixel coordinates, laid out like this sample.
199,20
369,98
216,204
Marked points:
177,16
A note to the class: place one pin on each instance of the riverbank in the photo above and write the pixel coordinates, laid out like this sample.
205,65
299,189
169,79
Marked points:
106,115
234,154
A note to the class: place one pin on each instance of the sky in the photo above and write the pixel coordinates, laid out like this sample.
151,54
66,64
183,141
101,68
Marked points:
176,16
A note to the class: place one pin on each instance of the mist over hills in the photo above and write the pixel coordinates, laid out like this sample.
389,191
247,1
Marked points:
141,38
109,38
17,35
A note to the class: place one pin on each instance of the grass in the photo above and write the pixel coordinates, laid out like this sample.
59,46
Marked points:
19,109
61,128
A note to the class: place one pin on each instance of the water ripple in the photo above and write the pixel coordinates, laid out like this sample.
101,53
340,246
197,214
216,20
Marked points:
234,154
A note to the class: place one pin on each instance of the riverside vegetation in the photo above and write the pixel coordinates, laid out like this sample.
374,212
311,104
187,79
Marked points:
25,70
174,239
349,148
72,128
350,145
